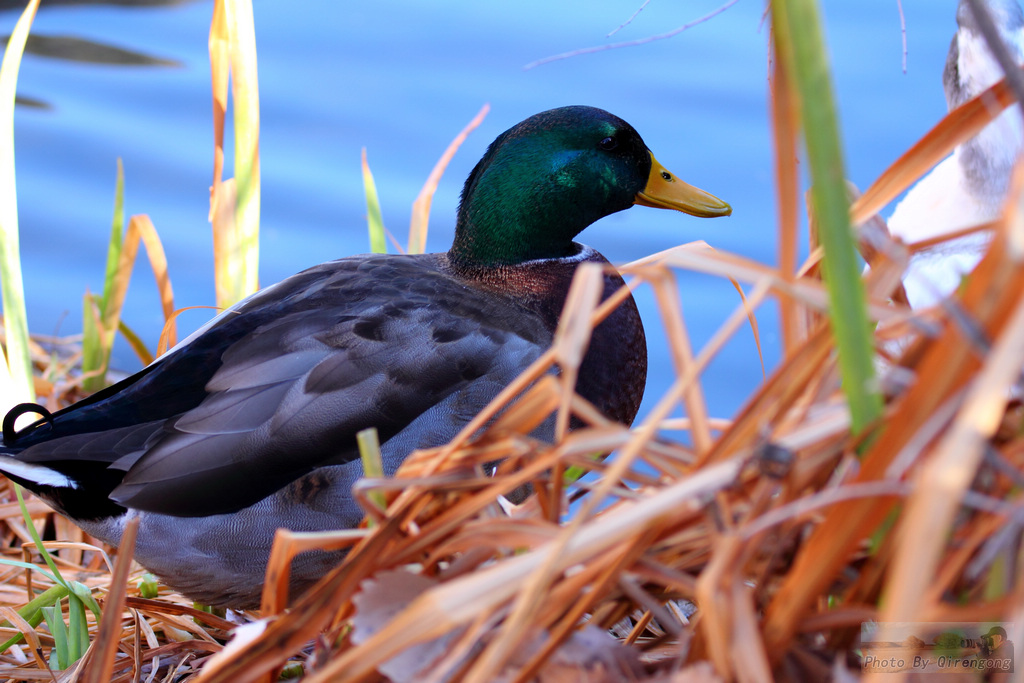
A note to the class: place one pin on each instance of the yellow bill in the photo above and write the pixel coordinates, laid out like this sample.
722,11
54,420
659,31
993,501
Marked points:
665,191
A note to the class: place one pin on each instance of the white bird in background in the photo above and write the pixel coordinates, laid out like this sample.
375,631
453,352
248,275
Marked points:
968,188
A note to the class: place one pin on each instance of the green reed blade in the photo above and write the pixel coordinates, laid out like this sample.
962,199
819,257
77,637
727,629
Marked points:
54,617
245,91
17,372
98,339
800,45
373,467
374,219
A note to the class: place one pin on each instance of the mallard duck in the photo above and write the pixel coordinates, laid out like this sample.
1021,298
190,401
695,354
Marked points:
968,188
250,424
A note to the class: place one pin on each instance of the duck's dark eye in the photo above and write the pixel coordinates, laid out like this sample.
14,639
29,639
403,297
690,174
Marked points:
608,144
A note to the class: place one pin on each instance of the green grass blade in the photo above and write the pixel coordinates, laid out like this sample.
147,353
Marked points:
374,219
32,567
116,236
369,453
92,344
19,365
149,586
84,594
97,340
54,617
801,47
245,91
78,629
35,537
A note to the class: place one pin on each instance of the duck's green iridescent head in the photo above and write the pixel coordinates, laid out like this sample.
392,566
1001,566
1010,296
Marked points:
546,179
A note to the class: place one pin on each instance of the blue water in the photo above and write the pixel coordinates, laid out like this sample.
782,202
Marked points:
401,78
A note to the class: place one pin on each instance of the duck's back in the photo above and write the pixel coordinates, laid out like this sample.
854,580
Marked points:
280,385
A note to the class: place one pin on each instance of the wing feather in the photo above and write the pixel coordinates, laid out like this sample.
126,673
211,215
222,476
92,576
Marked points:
282,385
